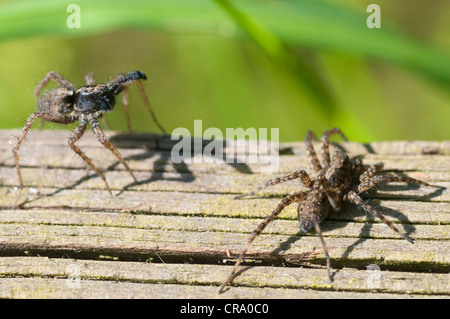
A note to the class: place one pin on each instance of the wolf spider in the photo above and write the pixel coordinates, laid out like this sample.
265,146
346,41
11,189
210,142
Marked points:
67,104
339,180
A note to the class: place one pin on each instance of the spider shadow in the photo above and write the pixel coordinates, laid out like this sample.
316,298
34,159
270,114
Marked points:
60,189
194,146
163,160
367,146
152,148
164,147
365,233
185,175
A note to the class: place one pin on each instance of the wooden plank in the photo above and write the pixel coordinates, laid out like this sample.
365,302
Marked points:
213,245
192,223
185,213
44,288
202,183
80,278
154,160
204,204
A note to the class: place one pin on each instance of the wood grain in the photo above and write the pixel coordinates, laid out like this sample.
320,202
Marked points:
177,232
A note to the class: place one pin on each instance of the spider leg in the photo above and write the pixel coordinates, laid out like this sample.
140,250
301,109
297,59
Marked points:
102,139
116,84
76,135
304,178
324,246
325,146
372,182
16,147
126,108
311,152
354,198
117,78
318,211
148,105
121,82
58,78
330,191
288,200
370,172
122,88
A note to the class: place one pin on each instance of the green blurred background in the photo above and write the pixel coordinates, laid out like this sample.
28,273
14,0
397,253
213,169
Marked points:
294,65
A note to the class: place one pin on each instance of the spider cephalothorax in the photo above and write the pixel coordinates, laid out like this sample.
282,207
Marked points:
67,104
339,180
94,98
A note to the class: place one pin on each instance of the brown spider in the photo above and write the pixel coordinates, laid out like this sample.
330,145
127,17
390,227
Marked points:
339,180
68,104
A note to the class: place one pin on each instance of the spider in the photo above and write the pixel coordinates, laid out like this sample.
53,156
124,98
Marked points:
67,104
339,180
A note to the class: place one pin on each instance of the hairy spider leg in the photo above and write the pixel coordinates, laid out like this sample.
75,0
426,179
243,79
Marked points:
321,181
123,86
370,172
354,198
149,107
76,135
288,200
16,147
330,191
325,145
58,78
311,152
304,178
324,246
102,139
126,108
116,85
372,182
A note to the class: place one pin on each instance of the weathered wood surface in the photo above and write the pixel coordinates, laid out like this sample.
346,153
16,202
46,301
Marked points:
177,232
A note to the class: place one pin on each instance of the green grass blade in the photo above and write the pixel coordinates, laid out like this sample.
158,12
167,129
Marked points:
277,51
330,26
318,24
